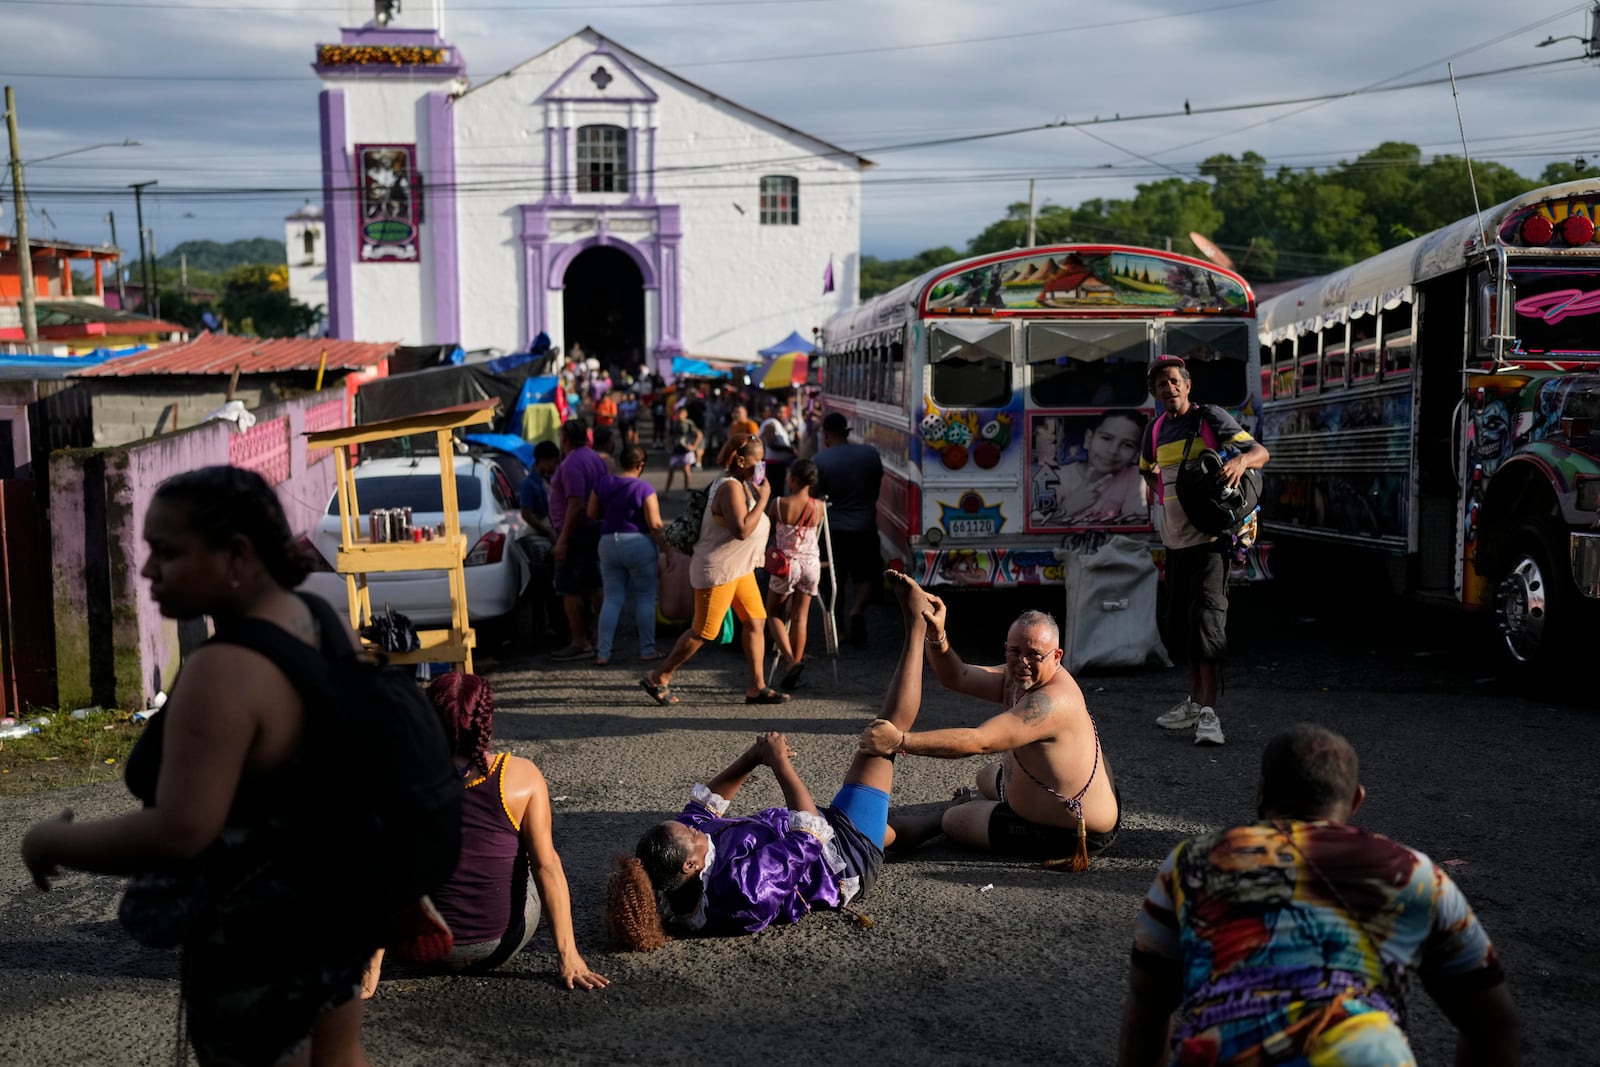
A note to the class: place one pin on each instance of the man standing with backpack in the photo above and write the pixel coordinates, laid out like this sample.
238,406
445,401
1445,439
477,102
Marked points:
1197,562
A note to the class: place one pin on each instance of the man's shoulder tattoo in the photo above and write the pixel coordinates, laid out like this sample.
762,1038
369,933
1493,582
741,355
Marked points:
1035,707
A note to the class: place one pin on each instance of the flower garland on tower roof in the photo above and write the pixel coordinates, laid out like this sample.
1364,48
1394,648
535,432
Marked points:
398,55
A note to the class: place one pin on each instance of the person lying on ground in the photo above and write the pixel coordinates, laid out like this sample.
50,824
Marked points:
1052,795
509,866
703,871
1288,941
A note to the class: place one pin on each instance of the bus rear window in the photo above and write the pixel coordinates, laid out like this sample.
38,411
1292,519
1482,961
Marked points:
1218,357
1090,364
971,364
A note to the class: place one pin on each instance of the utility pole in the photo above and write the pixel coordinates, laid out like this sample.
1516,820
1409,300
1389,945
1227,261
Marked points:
122,290
1032,218
183,274
144,263
30,323
155,283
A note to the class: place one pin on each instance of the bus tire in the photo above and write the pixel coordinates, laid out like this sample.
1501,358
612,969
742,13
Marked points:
1536,605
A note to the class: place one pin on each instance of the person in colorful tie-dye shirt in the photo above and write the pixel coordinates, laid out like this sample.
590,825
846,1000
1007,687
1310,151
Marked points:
1287,942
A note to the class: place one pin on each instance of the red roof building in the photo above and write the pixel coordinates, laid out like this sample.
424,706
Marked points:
223,354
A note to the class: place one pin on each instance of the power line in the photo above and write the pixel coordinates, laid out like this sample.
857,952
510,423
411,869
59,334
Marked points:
257,9
687,64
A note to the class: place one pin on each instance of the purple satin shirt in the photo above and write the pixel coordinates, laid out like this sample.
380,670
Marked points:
763,871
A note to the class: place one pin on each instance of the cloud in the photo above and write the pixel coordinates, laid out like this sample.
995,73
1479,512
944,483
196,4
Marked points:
238,135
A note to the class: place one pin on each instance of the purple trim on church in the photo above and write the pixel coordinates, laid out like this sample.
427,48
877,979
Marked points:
598,93
338,207
545,263
440,189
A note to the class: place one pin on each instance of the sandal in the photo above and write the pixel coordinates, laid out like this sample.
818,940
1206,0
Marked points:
768,695
659,693
791,677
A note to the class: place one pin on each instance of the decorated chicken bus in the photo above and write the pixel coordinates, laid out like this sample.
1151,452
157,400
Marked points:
1007,397
1439,404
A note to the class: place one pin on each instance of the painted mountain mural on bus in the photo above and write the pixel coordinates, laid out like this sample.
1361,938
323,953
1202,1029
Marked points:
1072,278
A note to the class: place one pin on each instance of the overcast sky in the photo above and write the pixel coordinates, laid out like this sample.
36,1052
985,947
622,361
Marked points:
168,73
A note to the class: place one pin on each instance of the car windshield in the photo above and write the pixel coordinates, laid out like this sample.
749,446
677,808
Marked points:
421,492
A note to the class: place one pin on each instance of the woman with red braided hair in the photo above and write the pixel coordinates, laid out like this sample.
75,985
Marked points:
505,839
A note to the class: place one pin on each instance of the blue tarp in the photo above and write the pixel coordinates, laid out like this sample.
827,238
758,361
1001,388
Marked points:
506,442
793,343
684,367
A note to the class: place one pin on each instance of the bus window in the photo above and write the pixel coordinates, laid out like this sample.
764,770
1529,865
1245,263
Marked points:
1363,349
1218,356
1266,370
1553,309
1308,370
877,364
1398,341
1334,348
1283,368
897,373
971,364
1088,364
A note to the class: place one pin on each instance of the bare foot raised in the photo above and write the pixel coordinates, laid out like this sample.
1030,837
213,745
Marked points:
915,602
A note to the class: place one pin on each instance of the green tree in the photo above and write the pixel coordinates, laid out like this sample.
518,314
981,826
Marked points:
881,275
255,301
219,256
1052,225
1556,173
1444,195
1386,178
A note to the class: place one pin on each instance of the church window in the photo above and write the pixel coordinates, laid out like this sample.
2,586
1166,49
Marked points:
602,159
780,200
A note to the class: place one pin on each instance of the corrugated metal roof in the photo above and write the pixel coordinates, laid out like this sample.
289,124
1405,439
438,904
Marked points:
218,353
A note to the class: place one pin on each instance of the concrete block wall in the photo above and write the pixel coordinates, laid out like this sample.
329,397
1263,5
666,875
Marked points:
113,647
124,416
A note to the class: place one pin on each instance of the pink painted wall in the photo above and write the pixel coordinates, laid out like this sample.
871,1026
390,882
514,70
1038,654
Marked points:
144,646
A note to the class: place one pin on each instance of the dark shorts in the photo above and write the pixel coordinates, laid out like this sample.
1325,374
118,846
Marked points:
1197,601
580,574
856,553
862,858
1012,835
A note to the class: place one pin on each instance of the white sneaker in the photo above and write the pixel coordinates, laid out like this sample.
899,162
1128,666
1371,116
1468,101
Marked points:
1183,715
1208,728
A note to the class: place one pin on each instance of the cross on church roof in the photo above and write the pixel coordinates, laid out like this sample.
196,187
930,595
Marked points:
601,78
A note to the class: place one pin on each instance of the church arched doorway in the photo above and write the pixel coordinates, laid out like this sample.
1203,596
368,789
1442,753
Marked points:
603,308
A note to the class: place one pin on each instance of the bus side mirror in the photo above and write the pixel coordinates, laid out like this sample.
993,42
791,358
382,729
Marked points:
1488,315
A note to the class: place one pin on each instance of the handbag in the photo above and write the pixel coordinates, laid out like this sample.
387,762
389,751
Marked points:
682,532
392,632
1211,504
777,560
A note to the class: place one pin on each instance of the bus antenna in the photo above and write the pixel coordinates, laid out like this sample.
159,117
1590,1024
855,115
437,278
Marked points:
1483,238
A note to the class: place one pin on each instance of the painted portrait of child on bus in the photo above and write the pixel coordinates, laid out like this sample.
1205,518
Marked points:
1083,470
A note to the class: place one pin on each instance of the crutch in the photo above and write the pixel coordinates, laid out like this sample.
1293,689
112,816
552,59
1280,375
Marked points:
830,628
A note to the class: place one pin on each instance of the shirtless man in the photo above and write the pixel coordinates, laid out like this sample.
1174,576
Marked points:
1051,796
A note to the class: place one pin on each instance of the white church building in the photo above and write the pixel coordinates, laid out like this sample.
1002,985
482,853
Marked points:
586,193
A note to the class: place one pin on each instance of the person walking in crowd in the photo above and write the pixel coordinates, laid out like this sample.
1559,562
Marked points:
577,551
1197,563
1052,796
490,902
740,424
687,442
605,410
275,958
1290,940
628,418
733,540
630,539
538,544
716,420
851,475
779,445
658,417
796,528
705,872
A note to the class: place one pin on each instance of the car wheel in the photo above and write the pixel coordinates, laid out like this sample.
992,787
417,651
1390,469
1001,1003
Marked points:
1536,606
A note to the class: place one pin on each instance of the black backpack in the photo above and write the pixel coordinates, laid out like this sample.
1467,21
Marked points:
390,816
1211,505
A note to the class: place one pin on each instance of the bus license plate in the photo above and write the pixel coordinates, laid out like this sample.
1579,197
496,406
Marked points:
972,527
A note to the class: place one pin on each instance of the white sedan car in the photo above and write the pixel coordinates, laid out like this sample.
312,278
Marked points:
496,568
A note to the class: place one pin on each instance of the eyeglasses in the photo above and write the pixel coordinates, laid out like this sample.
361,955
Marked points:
1028,654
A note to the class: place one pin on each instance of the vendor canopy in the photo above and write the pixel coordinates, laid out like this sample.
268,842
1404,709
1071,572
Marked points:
793,343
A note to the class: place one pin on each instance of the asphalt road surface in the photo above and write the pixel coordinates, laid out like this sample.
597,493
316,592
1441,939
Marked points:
971,960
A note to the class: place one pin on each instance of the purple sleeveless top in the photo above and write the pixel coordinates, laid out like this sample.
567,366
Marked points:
492,872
